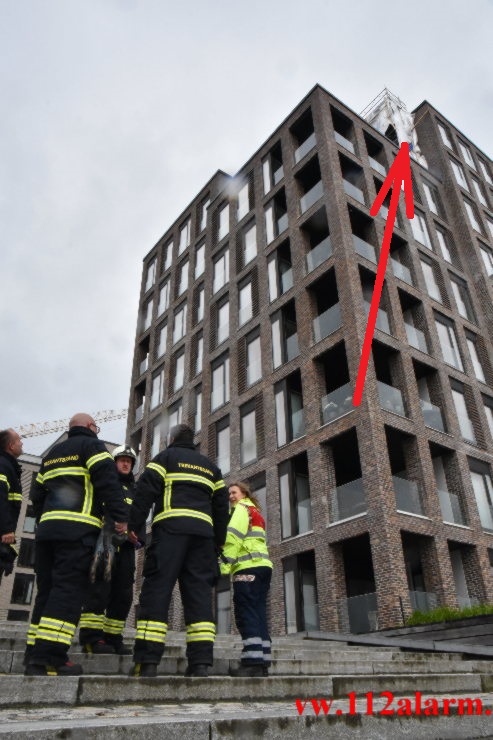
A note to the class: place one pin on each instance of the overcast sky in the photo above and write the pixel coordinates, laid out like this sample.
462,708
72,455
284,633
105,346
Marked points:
114,113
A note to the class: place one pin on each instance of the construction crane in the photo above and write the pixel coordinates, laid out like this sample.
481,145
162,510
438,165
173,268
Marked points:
61,425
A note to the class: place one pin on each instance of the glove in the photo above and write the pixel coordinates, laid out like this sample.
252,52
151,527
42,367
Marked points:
8,554
104,554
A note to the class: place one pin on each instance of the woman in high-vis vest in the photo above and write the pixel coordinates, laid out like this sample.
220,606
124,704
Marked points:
246,557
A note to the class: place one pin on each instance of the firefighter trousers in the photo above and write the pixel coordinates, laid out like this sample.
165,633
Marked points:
108,603
62,569
250,589
192,561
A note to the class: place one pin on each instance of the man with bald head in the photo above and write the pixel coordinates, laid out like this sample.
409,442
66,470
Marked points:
10,495
77,477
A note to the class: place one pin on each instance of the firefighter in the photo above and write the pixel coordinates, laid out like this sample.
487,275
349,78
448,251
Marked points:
108,602
190,518
10,496
76,477
245,556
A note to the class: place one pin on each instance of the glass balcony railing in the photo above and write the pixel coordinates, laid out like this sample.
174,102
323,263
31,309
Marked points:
401,271
286,278
451,509
337,403
298,423
292,347
348,500
407,495
319,254
139,413
144,365
327,323
423,601
358,614
432,415
416,338
305,147
463,601
353,191
277,175
377,166
344,142
282,223
383,212
311,197
382,321
451,357
364,249
466,428
390,398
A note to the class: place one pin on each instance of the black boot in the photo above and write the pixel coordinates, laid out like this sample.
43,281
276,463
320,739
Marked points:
248,671
144,670
98,648
199,670
67,669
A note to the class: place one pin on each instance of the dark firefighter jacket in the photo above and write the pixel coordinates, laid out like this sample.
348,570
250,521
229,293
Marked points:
187,491
129,487
10,493
76,478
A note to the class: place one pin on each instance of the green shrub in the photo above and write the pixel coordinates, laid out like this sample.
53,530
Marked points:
448,614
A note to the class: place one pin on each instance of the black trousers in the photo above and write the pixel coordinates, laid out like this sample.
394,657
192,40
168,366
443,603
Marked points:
192,561
250,589
108,603
62,569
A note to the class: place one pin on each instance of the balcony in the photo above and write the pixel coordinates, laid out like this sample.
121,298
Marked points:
364,249
286,279
432,415
353,191
344,142
144,365
278,174
450,505
305,147
292,347
383,212
377,166
382,321
416,338
401,271
466,428
358,614
311,197
298,423
407,495
282,223
464,600
337,403
327,323
423,601
139,413
451,357
348,500
390,398
319,254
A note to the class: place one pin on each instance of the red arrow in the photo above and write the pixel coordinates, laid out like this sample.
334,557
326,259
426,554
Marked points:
399,175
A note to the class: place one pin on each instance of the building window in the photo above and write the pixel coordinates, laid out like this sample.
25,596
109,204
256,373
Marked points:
445,136
280,271
175,414
431,194
157,387
272,168
489,221
220,383
288,399
248,434
22,590
294,489
26,553
199,261
167,255
155,439
488,410
276,217
245,303
249,244
466,153
484,170
223,452
151,274
476,362
204,206
29,521
483,492
180,323
220,271
197,418
430,281
183,277
162,340
179,375
253,360
479,191
420,229
199,353
147,315
223,222
300,593
448,343
487,257
443,241
462,298
459,174
465,423
245,199
471,214
222,329
163,304
284,335
185,233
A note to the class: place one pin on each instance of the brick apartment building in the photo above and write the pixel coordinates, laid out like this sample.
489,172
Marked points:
253,310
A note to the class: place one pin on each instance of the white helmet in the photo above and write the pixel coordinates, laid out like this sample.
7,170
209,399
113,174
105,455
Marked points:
125,451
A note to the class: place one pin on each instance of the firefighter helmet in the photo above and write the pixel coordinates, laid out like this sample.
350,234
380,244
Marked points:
125,451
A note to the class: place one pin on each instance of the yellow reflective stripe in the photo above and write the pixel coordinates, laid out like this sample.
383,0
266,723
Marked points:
57,624
128,501
190,478
39,478
56,472
205,637
88,496
151,631
113,626
31,634
14,496
97,458
88,620
6,480
167,496
71,516
201,626
158,468
219,484
182,512
53,637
